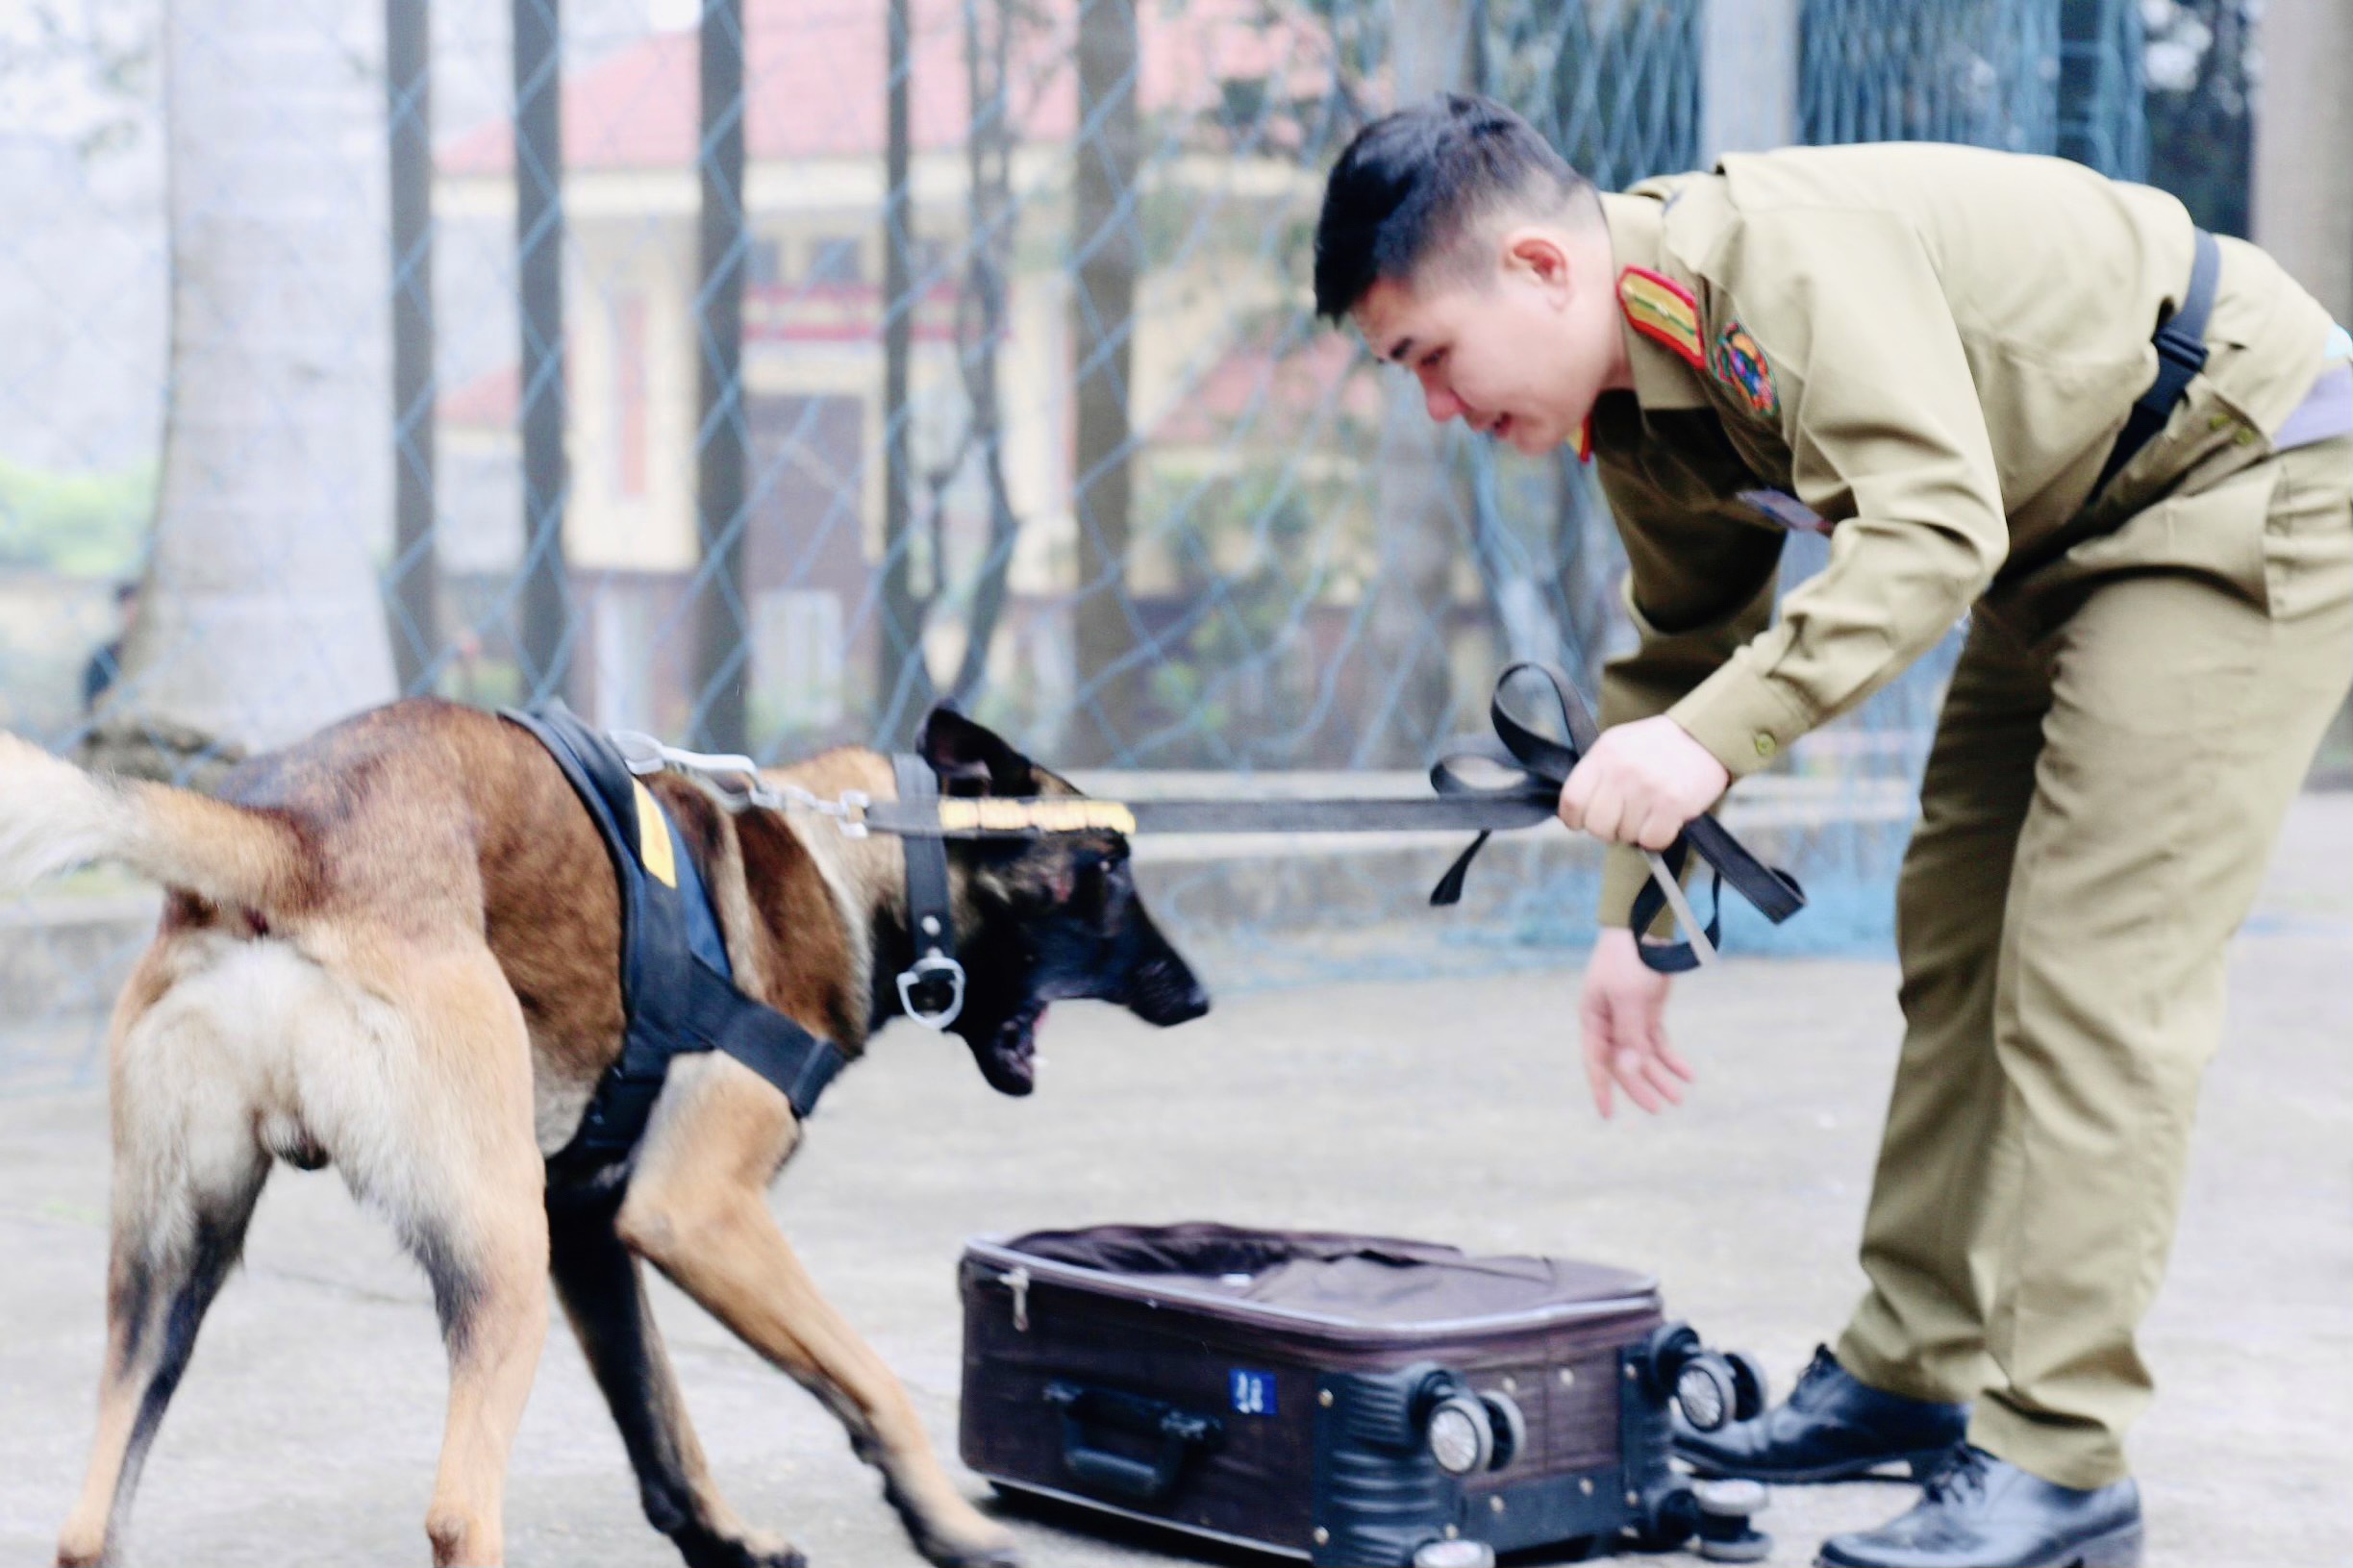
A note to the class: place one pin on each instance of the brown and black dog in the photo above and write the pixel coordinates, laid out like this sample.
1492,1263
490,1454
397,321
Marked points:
395,948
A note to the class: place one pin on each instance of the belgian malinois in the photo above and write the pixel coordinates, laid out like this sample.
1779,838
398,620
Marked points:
394,948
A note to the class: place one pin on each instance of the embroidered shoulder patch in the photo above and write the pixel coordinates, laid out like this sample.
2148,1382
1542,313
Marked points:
1739,365
1663,309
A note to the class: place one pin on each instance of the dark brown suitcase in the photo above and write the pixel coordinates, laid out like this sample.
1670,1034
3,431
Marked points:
1351,1400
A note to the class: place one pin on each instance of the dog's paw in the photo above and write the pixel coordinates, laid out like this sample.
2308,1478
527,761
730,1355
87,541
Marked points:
969,1541
989,1546
706,1548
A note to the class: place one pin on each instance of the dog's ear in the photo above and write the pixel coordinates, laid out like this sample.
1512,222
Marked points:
972,759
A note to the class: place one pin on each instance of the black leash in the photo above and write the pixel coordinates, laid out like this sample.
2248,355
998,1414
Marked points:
1527,770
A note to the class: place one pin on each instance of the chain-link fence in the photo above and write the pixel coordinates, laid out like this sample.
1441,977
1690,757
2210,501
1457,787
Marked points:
763,371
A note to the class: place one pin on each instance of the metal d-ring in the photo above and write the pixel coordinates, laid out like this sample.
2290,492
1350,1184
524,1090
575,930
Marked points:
922,969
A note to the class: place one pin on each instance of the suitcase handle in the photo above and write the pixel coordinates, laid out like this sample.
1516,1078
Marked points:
1180,1431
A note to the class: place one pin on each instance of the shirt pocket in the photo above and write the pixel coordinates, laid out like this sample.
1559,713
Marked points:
2216,532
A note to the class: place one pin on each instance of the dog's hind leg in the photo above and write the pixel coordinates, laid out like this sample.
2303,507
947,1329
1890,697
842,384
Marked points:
602,1286
697,1210
447,1150
188,1168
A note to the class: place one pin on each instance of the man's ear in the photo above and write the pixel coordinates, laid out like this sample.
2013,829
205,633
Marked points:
972,759
1537,253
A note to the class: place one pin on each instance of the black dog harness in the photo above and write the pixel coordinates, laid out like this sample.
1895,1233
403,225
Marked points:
678,990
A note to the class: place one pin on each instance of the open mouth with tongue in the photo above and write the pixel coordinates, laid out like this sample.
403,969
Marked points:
1007,1054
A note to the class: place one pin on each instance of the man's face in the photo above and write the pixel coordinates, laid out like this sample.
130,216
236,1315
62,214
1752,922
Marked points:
1509,351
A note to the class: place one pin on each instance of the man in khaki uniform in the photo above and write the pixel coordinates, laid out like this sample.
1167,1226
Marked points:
1932,353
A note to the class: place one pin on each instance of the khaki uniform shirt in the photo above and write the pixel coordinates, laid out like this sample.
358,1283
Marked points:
1933,348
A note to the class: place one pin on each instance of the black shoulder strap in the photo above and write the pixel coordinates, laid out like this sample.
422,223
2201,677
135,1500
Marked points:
2181,354
675,1000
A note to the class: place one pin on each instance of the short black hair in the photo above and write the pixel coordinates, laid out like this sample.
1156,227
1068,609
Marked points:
1415,180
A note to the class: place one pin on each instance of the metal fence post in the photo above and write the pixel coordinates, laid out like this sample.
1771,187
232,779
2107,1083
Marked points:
415,575
722,456
545,632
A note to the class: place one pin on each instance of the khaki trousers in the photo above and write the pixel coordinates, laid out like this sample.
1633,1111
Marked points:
2111,769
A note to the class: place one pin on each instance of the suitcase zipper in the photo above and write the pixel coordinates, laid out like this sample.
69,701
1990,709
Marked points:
1336,1331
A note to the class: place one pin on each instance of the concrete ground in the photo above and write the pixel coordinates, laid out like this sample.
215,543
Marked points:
307,1429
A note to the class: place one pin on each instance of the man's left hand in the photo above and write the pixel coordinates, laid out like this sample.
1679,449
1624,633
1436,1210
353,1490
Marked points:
1641,782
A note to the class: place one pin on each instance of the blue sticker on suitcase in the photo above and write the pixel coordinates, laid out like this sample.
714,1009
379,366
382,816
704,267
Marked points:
1252,1392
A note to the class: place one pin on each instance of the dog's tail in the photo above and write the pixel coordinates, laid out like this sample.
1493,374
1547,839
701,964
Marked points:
53,815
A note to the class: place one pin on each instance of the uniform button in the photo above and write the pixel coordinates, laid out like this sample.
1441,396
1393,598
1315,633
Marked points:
1764,745
2246,438
2219,421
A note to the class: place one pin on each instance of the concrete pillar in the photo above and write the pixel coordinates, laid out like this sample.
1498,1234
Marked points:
1749,77
2303,206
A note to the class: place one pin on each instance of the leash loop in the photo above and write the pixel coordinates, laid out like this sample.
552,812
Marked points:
1536,767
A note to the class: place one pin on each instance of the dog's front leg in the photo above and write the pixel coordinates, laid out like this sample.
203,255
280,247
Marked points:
603,1289
696,1209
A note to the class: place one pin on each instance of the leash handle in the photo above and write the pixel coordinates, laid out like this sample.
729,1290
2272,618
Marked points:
1535,762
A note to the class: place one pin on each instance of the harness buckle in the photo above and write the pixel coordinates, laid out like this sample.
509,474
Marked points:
853,804
932,989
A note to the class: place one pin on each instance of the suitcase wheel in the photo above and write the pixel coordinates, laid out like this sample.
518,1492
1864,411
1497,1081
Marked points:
1674,1520
1725,1509
1455,1553
1467,1431
1708,1393
1462,1434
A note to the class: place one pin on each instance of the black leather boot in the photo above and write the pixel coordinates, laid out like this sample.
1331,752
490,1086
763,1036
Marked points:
1983,1513
1832,1427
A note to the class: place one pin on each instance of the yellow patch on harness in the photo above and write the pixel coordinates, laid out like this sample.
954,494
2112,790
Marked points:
654,838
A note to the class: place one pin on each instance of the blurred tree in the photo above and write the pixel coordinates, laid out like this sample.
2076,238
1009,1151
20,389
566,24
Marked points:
1421,510
1107,240
992,134
981,322
262,618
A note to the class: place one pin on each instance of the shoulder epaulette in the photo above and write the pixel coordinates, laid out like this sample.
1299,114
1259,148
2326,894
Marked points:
1663,310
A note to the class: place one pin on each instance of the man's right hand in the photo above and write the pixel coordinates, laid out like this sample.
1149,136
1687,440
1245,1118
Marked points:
1623,1017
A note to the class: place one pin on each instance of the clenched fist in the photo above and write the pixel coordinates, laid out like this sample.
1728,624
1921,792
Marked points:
1641,782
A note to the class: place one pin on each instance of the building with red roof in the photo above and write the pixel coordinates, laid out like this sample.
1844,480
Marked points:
1206,385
